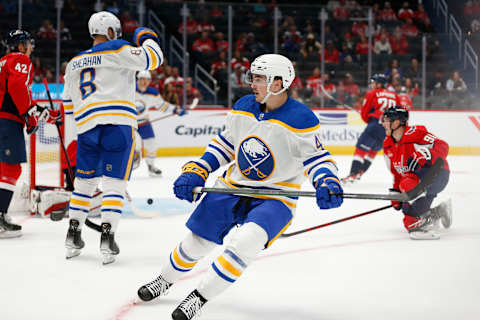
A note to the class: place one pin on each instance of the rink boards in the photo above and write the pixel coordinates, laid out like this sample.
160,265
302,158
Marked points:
188,135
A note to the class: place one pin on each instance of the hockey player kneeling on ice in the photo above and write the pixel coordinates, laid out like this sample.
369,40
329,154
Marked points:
409,152
270,141
148,99
100,83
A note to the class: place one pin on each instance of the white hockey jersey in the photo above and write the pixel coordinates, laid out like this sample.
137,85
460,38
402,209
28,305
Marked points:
100,82
150,100
274,150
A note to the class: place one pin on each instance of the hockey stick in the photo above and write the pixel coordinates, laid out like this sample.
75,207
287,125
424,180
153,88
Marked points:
329,96
286,235
139,212
191,107
427,180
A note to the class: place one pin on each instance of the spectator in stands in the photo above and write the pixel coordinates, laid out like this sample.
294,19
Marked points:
387,14
174,78
129,24
329,35
192,93
456,86
350,86
254,47
170,94
314,82
220,64
64,32
206,26
239,60
356,10
342,95
47,31
50,76
411,87
310,29
341,12
162,77
420,14
310,47
297,82
287,22
413,71
426,26
259,8
405,12
331,53
348,40
203,44
215,12
383,31
399,43
436,86
113,8
409,29
332,5
294,94
361,48
240,43
63,67
39,70
328,86
240,87
220,43
191,26
292,41
382,46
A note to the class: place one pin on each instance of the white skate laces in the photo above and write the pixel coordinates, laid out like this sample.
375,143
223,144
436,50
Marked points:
158,287
191,306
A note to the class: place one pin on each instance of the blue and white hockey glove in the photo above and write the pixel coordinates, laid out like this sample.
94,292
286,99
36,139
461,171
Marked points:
180,111
193,175
328,191
141,34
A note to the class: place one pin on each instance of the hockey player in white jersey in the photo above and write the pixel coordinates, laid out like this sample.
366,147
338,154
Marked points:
148,99
100,83
270,141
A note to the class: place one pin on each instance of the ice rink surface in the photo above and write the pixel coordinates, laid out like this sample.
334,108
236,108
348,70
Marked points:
365,268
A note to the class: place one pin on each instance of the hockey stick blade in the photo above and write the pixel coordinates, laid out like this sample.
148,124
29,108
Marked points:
139,212
312,194
93,225
286,235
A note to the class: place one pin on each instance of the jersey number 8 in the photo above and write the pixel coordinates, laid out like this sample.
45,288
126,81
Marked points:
87,87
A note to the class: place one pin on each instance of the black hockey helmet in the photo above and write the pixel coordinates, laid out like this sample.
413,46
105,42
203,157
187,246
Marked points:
16,37
396,113
378,77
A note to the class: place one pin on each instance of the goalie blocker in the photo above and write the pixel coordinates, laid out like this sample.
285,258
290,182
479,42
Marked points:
53,203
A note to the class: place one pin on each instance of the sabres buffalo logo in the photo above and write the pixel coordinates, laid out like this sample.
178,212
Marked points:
255,160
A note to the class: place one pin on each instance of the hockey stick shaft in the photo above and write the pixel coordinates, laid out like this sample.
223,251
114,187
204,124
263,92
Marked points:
329,96
286,235
191,107
311,194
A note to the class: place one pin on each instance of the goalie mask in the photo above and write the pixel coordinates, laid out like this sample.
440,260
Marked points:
271,66
100,22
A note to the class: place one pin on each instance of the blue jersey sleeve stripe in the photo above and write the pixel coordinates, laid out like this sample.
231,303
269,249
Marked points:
225,141
312,159
129,109
220,151
148,59
320,163
212,160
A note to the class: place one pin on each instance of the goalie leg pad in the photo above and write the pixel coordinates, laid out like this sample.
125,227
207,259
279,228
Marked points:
53,203
245,245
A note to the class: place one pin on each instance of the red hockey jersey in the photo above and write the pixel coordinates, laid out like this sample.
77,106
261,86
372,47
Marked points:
376,102
416,139
15,82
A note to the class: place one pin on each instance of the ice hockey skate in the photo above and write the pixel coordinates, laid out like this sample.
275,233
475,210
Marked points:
108,246
190,307
352,178
427,228
7,228
74,242
154,289
444,212
153,171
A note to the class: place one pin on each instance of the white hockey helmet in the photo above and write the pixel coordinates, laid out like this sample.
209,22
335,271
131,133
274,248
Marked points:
100,22
271,66
144,74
